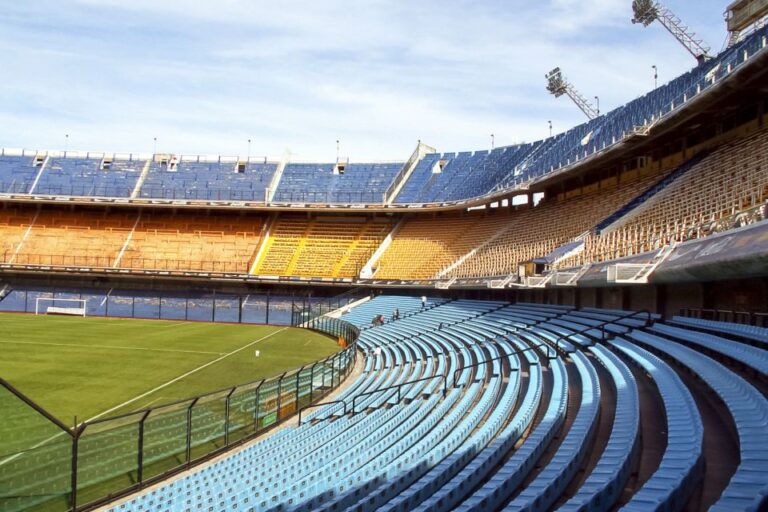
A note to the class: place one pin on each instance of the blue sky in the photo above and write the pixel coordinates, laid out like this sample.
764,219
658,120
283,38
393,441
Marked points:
205,76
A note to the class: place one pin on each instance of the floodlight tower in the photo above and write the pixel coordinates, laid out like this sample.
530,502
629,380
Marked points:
558,85
648,11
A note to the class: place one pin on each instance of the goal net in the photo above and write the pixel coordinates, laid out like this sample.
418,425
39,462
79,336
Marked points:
51,306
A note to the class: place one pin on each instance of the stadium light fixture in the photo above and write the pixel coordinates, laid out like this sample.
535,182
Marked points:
558,86
550,128
154,147
597,102
249,151
493,141
337,150
648,11
66,143
655,77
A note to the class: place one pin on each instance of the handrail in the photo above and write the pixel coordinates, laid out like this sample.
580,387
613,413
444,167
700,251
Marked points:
311,406
457,371
604,324
506,354
399,386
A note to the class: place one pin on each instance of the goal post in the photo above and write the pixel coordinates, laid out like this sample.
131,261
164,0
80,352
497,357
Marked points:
56,306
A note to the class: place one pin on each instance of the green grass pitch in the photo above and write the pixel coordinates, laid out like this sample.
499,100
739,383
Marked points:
88,367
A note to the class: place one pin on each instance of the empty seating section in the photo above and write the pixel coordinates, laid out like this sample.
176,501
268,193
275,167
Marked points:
419,251
81,238
320,247
729,180
89,177
209,181
533,233
17,174
680,469
14,225
756,334
325,183
438,177
129,239
748,487
513,427
495,245
193,242
607,480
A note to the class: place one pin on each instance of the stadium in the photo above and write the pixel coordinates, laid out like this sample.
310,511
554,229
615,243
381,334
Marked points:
576,323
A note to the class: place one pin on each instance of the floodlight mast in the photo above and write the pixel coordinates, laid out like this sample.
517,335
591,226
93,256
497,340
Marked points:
558,85
648,11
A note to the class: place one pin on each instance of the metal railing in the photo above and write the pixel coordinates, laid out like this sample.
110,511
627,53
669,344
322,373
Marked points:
399,387
307,309
45,465
602,327
97,260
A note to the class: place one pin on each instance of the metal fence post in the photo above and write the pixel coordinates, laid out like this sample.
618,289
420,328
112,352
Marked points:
312,383
298,386
279,393
75,446
226,416
256,407
140,458
189,429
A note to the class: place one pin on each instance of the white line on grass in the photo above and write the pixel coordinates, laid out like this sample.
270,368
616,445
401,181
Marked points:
176,324
116,347
153,401
180,377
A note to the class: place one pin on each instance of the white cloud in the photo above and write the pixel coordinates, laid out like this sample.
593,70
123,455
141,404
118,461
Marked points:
204,77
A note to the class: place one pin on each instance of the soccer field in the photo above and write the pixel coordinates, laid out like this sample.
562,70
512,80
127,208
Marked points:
96,367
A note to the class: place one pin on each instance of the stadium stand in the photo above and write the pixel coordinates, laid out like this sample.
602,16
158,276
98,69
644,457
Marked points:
320,247
75,238
193,179
444,446
193,242
730,180
329,183
419,251
758,335
14,226
496,245
17,174
74,176
130,240
532,234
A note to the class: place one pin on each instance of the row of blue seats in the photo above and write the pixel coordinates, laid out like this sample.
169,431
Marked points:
395,358
758,335
474,447
321,183
748,487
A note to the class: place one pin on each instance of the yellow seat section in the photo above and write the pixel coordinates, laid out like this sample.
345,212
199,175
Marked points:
728,181
194,242
80,238
328,247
